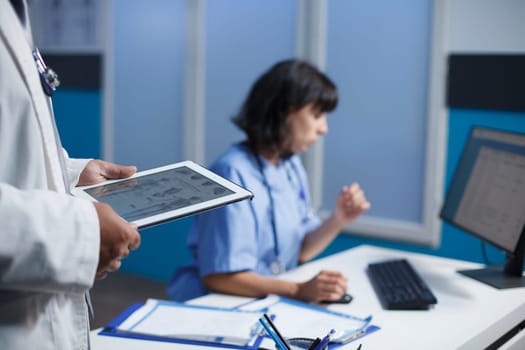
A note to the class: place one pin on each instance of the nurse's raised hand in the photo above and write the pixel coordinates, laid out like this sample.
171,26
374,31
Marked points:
351,202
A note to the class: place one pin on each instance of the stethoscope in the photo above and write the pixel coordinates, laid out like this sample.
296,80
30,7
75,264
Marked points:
50,82
276,266
48,77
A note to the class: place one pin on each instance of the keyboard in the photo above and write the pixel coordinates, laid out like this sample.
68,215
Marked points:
399,287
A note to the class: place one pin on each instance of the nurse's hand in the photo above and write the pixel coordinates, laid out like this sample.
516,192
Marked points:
117,238
350,203
326,285
99,170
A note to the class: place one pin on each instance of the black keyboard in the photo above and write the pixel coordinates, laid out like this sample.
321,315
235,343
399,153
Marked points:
399,287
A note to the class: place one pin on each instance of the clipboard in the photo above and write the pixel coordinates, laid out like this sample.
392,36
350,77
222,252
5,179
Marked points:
293,316
114,328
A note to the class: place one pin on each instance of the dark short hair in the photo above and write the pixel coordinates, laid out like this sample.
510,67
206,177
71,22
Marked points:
285,88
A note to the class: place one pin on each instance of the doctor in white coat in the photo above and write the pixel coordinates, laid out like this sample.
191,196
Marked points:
52,245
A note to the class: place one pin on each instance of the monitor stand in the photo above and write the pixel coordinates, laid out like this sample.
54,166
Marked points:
509,276
496,277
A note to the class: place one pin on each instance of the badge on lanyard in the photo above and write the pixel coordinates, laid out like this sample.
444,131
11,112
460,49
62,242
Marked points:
276,267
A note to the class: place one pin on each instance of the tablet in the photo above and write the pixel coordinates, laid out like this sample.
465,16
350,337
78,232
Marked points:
166,193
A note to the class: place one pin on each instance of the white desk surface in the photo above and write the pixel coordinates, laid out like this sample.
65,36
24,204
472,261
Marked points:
469,314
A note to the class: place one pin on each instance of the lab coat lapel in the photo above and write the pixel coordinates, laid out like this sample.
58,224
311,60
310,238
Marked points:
21,50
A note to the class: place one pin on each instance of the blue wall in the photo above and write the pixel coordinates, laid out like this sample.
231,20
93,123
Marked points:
148,60
378,55
78,116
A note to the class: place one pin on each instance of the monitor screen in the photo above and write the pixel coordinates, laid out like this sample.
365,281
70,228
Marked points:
487,194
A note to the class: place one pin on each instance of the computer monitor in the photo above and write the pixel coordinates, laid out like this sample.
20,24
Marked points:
486,198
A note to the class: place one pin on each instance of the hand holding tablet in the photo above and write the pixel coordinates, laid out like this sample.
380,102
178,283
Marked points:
166,193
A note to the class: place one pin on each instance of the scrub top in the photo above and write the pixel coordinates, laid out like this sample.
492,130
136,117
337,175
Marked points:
240,236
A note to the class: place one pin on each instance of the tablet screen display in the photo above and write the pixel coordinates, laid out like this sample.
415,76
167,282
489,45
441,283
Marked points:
158,193
165,193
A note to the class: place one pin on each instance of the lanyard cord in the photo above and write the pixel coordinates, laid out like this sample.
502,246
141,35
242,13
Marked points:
272,202
272,207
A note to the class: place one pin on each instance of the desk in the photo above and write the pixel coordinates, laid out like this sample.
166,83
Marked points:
469,314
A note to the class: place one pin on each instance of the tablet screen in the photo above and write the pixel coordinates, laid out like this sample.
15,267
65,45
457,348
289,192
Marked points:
161,195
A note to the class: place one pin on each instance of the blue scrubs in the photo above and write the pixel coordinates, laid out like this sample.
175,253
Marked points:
239,237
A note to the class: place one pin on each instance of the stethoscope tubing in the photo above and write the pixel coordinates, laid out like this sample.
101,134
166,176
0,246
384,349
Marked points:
272,208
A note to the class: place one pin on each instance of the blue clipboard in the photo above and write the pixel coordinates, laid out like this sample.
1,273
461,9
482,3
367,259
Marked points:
111,329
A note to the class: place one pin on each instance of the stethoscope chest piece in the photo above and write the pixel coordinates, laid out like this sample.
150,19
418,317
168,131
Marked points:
276,267
48,77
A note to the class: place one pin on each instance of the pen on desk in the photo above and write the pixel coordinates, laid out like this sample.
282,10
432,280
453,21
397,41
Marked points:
359,347
324,342
274,333
314,343
281,338
276,339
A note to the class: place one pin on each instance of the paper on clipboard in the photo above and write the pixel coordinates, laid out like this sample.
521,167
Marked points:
200,324
298,319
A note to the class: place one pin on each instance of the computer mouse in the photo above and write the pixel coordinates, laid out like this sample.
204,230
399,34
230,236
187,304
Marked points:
345,299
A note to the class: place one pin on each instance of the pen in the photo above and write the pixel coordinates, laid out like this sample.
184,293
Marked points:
281,338
274,333
276,339
359,347
325,340
314,343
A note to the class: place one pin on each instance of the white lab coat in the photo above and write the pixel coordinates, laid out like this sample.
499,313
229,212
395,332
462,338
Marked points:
49,241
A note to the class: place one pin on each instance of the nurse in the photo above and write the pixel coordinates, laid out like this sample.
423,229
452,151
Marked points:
242,248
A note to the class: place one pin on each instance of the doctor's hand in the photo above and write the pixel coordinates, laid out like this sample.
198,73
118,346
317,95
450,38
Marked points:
117,239
98,170
326,285
350,203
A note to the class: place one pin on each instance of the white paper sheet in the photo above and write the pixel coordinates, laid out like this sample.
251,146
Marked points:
295,319
183,321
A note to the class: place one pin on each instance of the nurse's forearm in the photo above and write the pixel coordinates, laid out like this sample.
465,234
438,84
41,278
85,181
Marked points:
316,241
250,284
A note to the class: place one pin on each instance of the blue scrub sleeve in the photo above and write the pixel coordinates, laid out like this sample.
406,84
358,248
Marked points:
226,236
